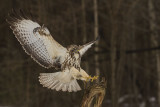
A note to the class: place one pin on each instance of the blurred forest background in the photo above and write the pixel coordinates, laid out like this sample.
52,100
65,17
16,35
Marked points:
127,54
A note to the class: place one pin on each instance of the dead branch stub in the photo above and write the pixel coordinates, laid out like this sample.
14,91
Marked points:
94,94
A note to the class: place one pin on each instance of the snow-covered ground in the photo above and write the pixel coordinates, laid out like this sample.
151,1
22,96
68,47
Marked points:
129,101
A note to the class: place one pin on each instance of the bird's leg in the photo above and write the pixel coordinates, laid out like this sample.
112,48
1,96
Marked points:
87,78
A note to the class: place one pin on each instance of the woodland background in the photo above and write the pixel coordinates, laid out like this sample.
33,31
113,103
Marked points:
127,54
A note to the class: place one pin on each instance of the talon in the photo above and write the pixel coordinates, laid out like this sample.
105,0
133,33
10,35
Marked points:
94,78
91,78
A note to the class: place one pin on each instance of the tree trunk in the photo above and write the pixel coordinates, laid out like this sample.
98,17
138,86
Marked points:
28,88
84,32
154,40
113,65
96,35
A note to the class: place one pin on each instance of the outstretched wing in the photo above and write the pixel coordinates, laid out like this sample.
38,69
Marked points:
37,41
85,47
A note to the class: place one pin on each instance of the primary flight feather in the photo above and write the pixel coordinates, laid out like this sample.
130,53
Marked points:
37,42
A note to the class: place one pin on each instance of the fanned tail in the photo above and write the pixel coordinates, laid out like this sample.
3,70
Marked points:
59,81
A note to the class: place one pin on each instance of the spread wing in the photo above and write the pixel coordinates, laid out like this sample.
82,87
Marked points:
37,41
85,47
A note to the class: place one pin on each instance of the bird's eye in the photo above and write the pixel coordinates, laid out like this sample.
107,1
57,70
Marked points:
74,50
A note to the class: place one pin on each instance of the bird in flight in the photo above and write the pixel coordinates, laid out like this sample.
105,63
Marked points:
37,42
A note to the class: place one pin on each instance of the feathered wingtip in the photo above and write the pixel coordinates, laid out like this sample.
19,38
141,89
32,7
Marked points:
17,14
84,48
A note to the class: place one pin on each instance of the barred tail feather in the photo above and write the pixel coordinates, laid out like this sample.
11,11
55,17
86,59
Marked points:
59,81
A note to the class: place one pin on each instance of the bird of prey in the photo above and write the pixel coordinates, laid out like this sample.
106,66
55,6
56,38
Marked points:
37,42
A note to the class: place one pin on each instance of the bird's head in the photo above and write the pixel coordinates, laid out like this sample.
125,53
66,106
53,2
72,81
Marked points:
73,49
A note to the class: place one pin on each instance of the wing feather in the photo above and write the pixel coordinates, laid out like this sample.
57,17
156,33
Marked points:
42,48
85,47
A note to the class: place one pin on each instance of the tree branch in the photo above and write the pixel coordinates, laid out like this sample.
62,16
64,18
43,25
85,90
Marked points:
96,91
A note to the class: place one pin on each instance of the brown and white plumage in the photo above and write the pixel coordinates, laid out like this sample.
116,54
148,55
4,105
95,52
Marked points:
37,42
65,81
42,47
